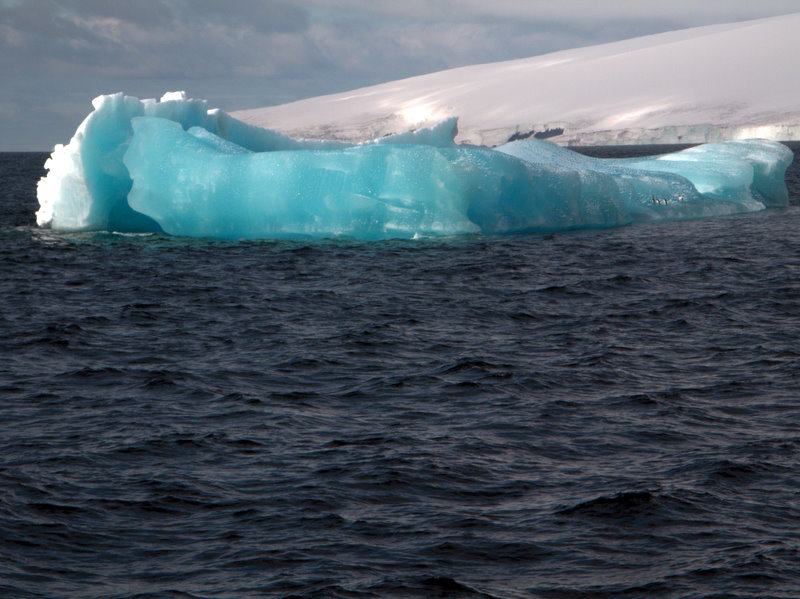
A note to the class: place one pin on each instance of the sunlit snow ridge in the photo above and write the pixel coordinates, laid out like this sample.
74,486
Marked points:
706,84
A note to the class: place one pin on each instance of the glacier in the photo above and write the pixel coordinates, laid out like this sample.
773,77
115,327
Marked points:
697,85
176,167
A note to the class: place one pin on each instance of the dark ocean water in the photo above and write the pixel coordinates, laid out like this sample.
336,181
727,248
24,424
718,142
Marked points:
594,414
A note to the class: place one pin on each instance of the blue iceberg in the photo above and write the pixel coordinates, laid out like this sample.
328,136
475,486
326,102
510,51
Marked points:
176,167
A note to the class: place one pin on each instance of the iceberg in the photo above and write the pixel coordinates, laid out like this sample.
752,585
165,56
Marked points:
174,166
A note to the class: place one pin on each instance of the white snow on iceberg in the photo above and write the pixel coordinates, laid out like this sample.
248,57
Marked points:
177,167
706,84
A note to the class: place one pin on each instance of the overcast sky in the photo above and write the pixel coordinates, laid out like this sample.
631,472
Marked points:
56,55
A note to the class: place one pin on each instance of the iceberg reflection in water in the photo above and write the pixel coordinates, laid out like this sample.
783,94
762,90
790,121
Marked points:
177,167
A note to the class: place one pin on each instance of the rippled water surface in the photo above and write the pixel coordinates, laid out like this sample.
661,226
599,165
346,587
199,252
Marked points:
594,414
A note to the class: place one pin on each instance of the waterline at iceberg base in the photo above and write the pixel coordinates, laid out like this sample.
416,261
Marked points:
174,166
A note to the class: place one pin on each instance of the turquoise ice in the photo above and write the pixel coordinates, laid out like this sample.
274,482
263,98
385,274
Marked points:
176,167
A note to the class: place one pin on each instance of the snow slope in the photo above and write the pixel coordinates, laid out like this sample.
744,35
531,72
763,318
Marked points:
730,81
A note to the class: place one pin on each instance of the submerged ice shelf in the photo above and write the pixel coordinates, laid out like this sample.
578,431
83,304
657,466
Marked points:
176,167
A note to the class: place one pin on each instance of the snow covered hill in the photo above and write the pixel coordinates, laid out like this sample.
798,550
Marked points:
712,83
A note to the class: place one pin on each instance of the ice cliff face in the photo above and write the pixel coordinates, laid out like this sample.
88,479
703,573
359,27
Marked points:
176,167
707,84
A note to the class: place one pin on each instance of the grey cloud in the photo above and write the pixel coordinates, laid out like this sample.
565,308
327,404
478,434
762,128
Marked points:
157,38
687,12
266,16
143,12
